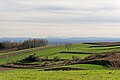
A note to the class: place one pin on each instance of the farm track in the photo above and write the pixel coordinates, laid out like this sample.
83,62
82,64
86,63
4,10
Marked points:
26,51
4,51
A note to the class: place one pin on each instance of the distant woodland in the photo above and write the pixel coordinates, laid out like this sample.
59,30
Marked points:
31,43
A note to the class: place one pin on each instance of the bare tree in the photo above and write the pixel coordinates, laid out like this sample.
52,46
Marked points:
68,46
1,46
9,44
33,43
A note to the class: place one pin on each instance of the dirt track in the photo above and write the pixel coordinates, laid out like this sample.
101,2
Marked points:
25,51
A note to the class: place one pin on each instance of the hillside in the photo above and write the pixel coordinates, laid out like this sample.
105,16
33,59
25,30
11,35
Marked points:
50,51
82,61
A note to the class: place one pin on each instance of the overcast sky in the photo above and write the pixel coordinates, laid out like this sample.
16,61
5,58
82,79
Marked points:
63,18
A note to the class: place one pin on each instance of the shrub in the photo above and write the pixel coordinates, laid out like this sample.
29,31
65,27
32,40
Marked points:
32,58
46,58
114,64
76,58
67,62
47,63
56,58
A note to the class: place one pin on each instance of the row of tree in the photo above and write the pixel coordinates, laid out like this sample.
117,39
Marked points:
31,43
8,45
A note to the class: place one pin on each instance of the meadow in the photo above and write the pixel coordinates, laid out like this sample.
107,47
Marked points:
55,51
92,72
60,75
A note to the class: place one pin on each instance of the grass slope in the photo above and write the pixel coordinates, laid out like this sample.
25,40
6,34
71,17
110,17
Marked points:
54,51
60,75
95,72
87,66
44,52
69,56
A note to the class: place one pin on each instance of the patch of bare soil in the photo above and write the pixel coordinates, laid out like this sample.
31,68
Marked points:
7,50
5,69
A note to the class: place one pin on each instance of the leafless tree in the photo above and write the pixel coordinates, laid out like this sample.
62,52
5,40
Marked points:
68,46
32,43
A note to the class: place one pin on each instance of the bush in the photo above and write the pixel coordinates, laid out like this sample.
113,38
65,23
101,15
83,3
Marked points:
56,58
47,63
46,58
32,58
114,64
67,62
76,58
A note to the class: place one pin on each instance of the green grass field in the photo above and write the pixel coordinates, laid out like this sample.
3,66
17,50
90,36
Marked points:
44,52
93,72
60,75
68,56
88,66
55,51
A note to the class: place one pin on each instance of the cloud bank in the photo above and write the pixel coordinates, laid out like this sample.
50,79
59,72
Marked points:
35,15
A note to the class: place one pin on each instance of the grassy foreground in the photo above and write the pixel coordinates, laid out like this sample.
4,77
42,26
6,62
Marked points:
60,75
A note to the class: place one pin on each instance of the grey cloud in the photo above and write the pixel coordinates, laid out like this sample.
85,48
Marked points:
64,9
51,7
13,5
77,14
65,19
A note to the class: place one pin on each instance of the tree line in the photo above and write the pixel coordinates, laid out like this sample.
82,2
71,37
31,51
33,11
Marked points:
31,43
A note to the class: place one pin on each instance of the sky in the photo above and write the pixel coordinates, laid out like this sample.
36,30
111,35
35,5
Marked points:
61,18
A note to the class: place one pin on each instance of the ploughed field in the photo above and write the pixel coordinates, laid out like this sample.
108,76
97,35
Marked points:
86,61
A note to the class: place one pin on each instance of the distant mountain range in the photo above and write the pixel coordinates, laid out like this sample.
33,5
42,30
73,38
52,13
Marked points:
61,40
58,40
